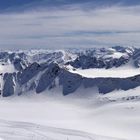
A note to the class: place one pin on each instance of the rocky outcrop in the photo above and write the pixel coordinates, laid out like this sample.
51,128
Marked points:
106,85
48,77
8,88
41,78
27,74
86,62
70,82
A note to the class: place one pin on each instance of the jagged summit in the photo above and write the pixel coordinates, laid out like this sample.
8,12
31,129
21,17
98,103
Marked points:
42,70
82,58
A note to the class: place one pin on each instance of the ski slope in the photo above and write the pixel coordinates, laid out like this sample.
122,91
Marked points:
42,117
28,131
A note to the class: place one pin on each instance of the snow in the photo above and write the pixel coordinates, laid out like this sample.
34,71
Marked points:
115,55
7,68
118,94
38,117
121,72
11,130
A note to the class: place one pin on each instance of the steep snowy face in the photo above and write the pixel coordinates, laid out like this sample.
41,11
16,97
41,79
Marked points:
43,70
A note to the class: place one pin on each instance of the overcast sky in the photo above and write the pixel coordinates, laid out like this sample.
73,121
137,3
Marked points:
60,24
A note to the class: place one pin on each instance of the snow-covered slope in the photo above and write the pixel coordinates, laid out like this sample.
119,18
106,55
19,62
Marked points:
121,72
10,130
70,117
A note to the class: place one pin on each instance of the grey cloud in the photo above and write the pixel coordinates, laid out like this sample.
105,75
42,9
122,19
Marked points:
71,28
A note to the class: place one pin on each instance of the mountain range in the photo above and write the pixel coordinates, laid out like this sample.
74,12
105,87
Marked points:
40,71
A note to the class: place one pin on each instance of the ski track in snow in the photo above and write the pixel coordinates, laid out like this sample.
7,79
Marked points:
10,130
66,119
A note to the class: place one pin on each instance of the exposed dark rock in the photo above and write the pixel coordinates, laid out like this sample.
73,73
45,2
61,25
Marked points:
8,88
48,77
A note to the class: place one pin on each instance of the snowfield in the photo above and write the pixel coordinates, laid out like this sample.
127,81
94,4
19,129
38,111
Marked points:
28,131
41,117
121,72
7,68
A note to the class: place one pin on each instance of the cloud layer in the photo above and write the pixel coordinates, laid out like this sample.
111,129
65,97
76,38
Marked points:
22,5
71,27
